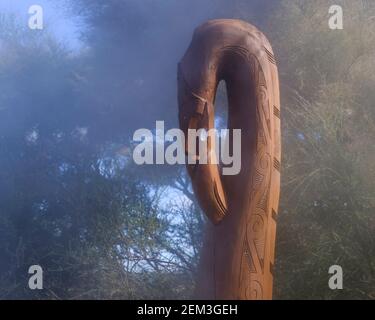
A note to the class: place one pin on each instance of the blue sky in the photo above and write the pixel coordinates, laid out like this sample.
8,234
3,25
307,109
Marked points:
56,18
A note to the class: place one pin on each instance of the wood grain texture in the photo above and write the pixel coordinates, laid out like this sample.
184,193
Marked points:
238,254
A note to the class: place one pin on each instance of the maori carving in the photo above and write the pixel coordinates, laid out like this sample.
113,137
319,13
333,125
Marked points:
238,253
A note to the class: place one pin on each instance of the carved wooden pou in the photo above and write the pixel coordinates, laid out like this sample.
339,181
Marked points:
237,258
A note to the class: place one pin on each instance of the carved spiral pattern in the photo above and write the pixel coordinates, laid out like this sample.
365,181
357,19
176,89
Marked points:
238,255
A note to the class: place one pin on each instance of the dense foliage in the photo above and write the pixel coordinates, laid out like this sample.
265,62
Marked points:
72,201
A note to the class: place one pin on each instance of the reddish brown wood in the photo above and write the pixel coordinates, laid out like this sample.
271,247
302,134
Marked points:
238,253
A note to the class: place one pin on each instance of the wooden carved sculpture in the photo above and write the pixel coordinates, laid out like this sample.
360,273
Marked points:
238,253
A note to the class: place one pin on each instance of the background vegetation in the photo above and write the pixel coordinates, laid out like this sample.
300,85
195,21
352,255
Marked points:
102,228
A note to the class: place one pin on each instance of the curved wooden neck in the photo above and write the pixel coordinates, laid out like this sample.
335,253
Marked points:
238,252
